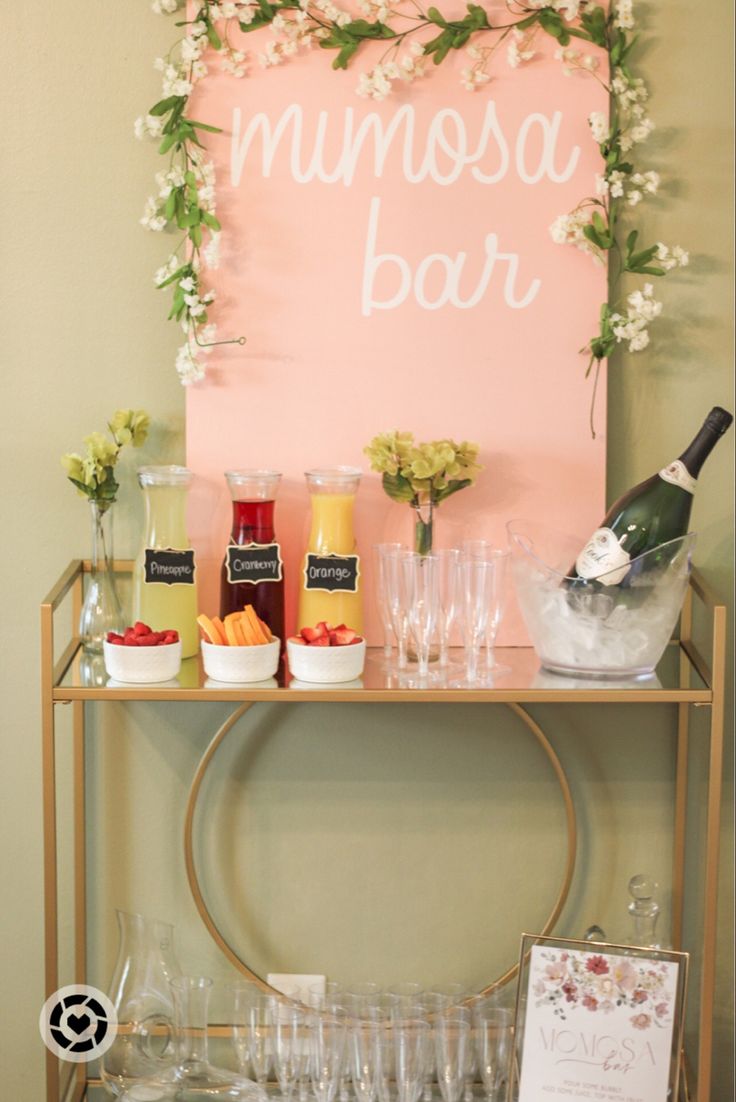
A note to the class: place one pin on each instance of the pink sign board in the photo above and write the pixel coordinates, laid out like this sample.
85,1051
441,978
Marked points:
391,266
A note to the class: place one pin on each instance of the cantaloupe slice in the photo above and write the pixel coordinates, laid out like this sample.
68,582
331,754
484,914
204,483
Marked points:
259,635
233,631
220,627
210,630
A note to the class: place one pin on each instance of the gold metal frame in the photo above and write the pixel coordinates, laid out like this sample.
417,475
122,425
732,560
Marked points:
240,964
55,691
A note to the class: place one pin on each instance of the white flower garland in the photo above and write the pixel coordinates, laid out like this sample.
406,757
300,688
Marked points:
185,198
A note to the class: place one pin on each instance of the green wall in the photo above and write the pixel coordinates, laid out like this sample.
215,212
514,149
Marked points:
83,335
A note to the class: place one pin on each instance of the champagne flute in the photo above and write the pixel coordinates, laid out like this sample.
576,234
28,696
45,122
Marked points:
327,1040
289,1025
477,591
384,609
397,600
364,1055
484,549
494,1045
412,1038
421,588
449,597
452,1041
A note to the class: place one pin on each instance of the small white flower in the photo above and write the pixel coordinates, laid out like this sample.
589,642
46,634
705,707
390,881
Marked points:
599,126
189,367
624,14
211,251
187,284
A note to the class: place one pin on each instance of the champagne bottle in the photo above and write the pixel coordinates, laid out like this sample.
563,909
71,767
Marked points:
652,513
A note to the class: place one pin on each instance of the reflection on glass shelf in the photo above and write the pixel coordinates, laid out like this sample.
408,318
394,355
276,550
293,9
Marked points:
523,675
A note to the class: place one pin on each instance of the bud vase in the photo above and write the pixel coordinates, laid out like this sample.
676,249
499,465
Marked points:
423,527
101,609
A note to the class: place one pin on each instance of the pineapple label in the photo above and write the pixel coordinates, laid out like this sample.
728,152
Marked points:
603,558
169,566
332,573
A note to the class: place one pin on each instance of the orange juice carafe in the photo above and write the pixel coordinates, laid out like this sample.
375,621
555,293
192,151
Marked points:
330,585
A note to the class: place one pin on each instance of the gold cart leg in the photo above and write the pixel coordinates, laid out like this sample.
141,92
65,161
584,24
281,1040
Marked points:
80,870
678,860
50,894
713,827
683,720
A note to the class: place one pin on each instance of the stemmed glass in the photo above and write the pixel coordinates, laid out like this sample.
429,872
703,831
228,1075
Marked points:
364,1053
484,549
380,550
252,1030
289,1025
449,597
396,597
421,590
476,581
452,1042
327,1039
494,1046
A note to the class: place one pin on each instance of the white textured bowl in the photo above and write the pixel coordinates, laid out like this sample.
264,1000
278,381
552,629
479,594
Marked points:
254,663
326,665
142,665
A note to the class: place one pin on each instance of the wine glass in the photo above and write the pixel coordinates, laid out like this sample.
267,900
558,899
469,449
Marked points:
421,588
449,597
384,610
494,1045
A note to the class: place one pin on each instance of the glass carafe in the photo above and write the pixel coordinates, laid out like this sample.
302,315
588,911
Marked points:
252,570
141,995
330,585
164,584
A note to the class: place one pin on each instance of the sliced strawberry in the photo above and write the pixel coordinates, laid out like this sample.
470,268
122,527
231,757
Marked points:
140,628
310,634
297,640
149,640
357,639
323,627
344,636
323,641
130,641
340,627
113,637
170,637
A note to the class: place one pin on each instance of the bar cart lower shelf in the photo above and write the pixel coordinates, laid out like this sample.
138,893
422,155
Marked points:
684,678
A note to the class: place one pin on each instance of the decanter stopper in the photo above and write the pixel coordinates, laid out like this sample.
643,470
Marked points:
644,910
594,933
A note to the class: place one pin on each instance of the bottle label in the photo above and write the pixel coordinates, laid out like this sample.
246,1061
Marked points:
332,573
253,563
603,558
678,475
169,566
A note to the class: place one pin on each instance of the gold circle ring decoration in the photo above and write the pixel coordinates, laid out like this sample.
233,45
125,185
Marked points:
227,949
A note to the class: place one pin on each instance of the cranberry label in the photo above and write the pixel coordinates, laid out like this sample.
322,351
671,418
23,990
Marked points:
332,573
169,566
603,558
253,563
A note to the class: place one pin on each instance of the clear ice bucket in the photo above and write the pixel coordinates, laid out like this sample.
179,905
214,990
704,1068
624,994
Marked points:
596,628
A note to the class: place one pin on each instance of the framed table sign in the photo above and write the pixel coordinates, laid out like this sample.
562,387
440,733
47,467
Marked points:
598,1022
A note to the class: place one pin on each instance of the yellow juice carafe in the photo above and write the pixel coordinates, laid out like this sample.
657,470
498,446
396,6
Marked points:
330,583
164,582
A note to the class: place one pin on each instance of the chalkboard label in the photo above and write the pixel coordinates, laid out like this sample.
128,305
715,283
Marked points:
252,563
332,573
169,567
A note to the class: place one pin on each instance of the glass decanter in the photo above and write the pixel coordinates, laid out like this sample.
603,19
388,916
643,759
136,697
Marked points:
140,992
193,1078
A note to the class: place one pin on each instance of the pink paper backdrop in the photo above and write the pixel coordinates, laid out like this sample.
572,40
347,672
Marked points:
324,370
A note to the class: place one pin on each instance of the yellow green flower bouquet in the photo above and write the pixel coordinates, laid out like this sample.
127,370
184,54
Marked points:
423,475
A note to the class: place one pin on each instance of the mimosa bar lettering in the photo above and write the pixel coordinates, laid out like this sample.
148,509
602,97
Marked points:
171,567
254,563
332,573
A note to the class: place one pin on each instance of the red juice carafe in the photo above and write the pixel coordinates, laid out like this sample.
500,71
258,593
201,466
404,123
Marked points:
252,570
